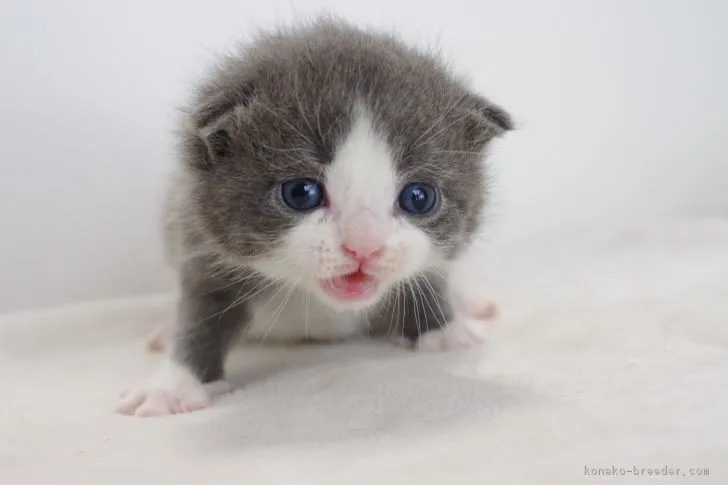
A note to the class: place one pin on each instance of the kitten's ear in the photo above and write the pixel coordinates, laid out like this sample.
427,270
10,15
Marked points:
214,123
488,120
217,139
208,145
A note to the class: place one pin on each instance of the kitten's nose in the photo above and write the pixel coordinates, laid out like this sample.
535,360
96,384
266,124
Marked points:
361,252
363,235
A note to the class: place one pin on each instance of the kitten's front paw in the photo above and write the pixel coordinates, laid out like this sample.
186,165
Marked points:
470,330
460,334
170,392
478,309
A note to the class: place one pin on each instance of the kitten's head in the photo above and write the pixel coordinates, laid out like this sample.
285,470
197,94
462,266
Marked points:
338,160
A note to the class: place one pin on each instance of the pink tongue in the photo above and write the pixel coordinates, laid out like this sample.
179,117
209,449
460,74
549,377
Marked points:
352,284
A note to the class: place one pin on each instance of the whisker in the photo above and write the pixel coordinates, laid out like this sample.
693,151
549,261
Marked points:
235,303
258,289
394,319
246,277
308,296
443,324
399,298
231,305
404,305
422,294
439,273
260,310
279,310
390,305
458,152
416,312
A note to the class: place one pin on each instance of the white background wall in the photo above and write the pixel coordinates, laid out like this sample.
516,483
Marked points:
622,108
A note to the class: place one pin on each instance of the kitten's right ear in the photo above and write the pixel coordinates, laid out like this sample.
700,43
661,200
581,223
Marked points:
214,125
207,146
217,140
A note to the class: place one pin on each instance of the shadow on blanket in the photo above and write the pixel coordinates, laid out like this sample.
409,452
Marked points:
341,392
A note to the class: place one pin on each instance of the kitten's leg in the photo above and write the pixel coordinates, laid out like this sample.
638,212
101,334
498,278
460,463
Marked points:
420,314
192,373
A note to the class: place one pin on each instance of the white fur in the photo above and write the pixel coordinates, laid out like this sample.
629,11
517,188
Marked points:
171,390
362,187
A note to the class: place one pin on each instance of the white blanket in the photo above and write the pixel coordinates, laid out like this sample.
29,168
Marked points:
611,356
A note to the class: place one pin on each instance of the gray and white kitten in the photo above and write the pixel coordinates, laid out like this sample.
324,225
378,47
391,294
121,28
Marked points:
328,179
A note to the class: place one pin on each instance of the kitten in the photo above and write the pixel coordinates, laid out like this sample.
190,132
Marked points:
328,179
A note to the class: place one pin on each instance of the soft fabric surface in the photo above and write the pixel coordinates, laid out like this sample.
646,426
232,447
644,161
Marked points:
612,351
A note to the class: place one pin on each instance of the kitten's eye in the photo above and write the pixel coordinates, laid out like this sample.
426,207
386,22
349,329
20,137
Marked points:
302,194
417,198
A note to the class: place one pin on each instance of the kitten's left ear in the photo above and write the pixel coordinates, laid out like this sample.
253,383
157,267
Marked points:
488,120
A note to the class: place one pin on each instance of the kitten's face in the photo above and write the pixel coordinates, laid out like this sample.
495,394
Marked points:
361,224
342,181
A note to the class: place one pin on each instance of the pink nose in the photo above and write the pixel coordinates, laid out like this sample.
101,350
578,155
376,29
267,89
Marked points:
361,252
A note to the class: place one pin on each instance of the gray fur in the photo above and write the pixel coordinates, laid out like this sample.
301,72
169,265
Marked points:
277,108
413,308
207,320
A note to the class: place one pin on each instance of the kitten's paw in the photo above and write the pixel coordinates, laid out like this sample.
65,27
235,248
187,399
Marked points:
459,334
150,401
478,309
173,390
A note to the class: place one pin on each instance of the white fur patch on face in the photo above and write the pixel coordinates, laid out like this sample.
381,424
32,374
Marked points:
362,187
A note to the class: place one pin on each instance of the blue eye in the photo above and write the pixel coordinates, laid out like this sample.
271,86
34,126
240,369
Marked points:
417,198
302,194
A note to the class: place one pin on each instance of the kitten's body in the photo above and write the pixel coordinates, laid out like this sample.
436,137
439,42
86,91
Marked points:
329,178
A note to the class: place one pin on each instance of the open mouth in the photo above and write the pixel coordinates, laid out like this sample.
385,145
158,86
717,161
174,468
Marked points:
354,286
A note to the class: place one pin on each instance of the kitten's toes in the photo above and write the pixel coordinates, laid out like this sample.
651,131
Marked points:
170,393
459,334
150,401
